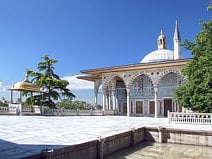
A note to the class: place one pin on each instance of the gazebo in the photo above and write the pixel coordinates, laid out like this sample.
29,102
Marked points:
23,86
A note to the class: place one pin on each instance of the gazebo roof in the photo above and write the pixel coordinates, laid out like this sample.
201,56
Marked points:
25,85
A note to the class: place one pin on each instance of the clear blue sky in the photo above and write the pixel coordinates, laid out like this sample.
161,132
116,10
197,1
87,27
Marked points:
85,34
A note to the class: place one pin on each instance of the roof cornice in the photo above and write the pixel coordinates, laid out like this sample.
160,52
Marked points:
136,66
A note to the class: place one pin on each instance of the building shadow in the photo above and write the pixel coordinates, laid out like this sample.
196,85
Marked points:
10,150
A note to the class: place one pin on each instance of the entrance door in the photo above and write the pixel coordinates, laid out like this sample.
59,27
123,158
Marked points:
124,107
167,105
139,107
152,107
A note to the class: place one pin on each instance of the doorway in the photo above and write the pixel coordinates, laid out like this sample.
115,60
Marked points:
124,107
167,105
152,107
139,107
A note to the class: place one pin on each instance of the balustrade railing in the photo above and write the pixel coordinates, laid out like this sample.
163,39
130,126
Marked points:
27,109
17,109
8,110
76,112
4,109
191,118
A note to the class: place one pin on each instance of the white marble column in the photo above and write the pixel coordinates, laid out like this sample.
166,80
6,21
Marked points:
96,99
103,101
106,103
128,102
97,84
156,101
117,105
114,100
109,101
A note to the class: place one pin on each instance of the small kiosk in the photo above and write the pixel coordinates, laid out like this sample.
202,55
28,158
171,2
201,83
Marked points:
24,86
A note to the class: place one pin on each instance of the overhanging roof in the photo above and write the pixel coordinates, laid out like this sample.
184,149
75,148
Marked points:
93,74
25,86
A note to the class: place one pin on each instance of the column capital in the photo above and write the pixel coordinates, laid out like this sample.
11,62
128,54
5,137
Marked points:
156,87
104,91
128,90
113,92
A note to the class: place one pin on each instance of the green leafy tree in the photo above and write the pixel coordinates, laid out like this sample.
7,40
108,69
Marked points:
2,104
53,87
70,104
196,92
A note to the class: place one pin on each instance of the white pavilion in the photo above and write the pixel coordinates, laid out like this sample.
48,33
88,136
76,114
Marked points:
144,89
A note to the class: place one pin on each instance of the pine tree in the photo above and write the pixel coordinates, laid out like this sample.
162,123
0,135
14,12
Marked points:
53,87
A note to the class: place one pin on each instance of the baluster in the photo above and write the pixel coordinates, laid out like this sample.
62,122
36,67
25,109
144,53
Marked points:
202,118
175,120
211,118
180,118
191,118
197,118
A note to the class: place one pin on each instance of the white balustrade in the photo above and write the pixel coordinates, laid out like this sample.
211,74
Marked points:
4,109
17,109
72,112
191,118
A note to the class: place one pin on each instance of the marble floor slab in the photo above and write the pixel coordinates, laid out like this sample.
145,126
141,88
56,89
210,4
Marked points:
22,136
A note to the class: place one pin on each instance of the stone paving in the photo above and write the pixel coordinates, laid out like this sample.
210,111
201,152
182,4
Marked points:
22,136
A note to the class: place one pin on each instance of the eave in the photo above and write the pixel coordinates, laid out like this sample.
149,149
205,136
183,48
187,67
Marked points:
96,73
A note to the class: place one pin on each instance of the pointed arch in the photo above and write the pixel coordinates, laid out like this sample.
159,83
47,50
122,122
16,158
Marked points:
97,84
142,86
164,73
136,75
110,79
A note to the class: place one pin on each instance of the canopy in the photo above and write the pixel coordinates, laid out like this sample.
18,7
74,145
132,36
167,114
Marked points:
25,85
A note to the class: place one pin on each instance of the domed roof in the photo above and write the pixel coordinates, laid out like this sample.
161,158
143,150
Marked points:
25,85
161,54
158,55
